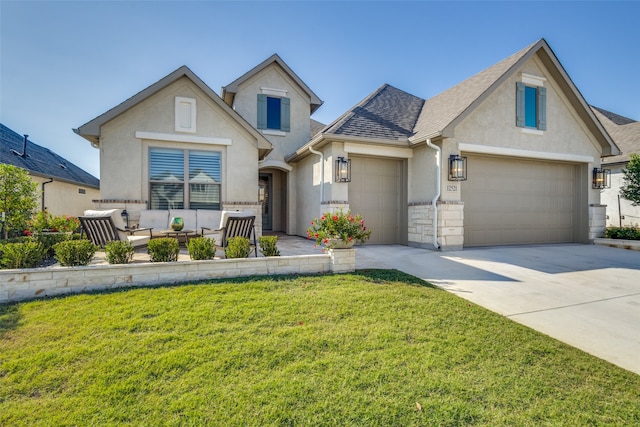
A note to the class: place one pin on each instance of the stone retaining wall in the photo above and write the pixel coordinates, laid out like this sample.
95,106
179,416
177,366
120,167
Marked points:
633,245
17,285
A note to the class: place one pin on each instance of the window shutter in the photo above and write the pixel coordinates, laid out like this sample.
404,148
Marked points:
520,104
542,108
262,111
285,114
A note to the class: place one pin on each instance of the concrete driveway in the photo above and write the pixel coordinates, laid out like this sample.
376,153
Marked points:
584,295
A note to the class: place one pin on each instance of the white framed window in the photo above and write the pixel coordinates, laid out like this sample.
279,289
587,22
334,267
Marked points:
184,179
531,103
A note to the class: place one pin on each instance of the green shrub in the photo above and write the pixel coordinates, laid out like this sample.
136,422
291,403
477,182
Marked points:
21,255
49,240
238,247
164,249
19,239
625,233
119,252
268,245
201,248
74,252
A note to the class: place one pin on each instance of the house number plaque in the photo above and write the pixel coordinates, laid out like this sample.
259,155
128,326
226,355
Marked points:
452,188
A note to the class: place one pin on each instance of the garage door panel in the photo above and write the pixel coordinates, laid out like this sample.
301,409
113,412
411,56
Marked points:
515,201
375,192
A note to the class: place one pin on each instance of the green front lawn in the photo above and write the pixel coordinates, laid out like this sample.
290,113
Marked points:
371,348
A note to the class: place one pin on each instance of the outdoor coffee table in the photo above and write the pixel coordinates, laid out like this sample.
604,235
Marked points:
185,232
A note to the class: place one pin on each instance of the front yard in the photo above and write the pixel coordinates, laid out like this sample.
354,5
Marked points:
375,347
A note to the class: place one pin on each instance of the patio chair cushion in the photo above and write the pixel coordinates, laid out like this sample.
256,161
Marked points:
116,217
207,223
138,241
227,214
154,218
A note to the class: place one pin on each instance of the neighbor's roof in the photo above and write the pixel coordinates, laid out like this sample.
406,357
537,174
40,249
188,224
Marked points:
623,130
91,129
40,161
613,117
229,91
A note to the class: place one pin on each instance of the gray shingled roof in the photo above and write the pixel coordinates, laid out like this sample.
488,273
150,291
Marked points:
387,113
316,127
625,133
615,118
40,161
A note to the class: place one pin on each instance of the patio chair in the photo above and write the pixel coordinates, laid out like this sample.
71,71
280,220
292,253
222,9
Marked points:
102,230
235,226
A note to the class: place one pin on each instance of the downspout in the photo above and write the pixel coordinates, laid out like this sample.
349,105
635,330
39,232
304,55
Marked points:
43,184
321,175
437,195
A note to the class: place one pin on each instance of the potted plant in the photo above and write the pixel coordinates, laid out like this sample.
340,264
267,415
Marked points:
338,230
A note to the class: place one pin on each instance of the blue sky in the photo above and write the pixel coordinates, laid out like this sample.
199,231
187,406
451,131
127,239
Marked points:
62,63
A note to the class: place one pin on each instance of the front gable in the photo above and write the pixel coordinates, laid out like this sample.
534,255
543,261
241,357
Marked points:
178,117
273,99
495,123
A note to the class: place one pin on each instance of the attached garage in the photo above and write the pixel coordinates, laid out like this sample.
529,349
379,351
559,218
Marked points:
511,201
377,192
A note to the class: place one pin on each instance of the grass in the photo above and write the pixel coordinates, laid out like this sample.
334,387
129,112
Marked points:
371,348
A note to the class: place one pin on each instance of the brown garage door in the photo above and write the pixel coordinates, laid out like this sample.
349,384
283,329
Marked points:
376,192
513,201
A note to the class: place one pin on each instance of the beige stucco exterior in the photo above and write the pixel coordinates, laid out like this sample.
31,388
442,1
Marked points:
64,198
124,161
246,104
620,211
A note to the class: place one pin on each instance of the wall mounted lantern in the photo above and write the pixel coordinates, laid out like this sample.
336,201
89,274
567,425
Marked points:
601,178
343,170
457,168
125,217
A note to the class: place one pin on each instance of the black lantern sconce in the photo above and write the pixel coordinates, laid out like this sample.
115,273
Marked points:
457,168
343,170
125,217
601,178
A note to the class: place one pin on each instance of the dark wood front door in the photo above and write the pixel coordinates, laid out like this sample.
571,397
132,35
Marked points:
264,196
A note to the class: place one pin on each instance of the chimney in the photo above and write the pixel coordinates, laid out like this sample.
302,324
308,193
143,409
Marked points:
24,145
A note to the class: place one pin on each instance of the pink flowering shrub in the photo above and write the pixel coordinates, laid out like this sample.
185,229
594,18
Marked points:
338,226
44,221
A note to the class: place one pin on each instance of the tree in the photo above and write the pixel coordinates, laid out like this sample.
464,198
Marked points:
18,199
630,188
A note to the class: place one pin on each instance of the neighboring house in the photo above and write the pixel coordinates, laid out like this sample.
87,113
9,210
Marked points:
64,188
528,139
626,134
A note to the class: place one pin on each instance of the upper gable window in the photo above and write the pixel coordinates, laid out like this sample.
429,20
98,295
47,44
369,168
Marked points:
274,112
531,103
185,114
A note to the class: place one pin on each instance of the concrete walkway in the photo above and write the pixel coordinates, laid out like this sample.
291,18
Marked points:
584,295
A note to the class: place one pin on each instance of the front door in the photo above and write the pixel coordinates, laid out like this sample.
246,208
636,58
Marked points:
264,196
